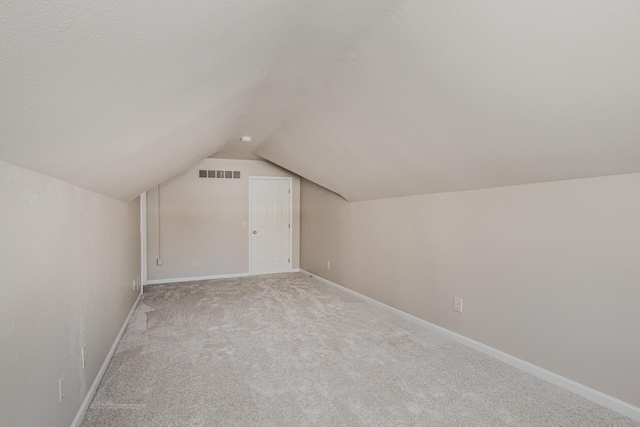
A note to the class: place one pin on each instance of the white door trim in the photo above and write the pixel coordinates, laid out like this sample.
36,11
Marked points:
143,243
251,180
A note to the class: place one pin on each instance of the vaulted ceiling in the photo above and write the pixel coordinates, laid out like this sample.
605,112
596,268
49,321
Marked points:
369,98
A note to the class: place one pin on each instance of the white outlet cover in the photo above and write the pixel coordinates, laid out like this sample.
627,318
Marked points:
61,392
457,304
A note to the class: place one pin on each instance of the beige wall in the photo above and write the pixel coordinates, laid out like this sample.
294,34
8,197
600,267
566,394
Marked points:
202,219
67,260
549,273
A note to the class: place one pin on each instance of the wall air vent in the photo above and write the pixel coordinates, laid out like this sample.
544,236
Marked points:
202,173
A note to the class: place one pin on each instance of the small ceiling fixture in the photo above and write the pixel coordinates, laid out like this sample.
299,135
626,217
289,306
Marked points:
245,139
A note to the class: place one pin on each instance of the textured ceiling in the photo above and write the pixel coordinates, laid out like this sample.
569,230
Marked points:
370,99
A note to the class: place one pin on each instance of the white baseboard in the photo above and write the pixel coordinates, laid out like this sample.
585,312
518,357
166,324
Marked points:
194,279
219,276
593,395
92,391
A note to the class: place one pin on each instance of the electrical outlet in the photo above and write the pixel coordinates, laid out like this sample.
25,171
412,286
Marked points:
61,391
194,263
328,265
457,304
159,261
134,284
84,356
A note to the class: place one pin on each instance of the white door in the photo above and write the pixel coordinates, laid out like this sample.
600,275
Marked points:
270,225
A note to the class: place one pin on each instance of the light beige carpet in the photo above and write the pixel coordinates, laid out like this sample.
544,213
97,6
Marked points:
288,350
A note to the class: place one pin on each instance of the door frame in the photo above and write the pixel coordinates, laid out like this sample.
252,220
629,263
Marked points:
252,179
143,241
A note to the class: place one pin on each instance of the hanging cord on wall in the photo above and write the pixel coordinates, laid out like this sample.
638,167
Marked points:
158,210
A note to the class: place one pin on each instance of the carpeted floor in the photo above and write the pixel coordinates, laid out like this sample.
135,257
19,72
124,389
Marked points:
288,350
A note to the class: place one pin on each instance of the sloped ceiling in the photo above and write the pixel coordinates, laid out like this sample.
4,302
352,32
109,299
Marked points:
369,98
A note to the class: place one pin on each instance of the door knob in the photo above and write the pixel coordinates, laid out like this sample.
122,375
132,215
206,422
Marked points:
255,231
